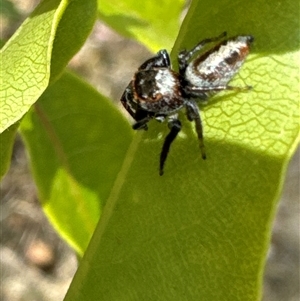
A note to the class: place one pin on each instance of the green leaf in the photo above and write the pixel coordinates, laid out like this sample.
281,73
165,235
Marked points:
154,23
202,231
6,144
77,141
40,48
2,43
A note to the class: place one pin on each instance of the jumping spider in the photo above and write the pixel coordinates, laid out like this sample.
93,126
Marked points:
156,91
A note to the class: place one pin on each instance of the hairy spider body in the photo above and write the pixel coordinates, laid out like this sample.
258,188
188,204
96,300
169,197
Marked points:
216,67
158,92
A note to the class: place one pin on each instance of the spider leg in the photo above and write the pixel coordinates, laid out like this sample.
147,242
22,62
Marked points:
160,117
144,117
184,56
175,126
161,60
193,114
194,91
142,124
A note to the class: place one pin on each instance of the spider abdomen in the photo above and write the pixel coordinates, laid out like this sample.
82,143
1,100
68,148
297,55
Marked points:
217,67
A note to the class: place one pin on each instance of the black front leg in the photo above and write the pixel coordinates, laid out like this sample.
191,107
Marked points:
193,114
142,124
175,127
142,117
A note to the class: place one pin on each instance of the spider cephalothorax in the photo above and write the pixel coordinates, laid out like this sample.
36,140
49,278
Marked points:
156,91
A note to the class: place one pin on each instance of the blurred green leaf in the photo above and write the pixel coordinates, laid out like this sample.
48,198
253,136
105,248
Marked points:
154,23
2,43
77,141
41,47
6,144
202,231
8,10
